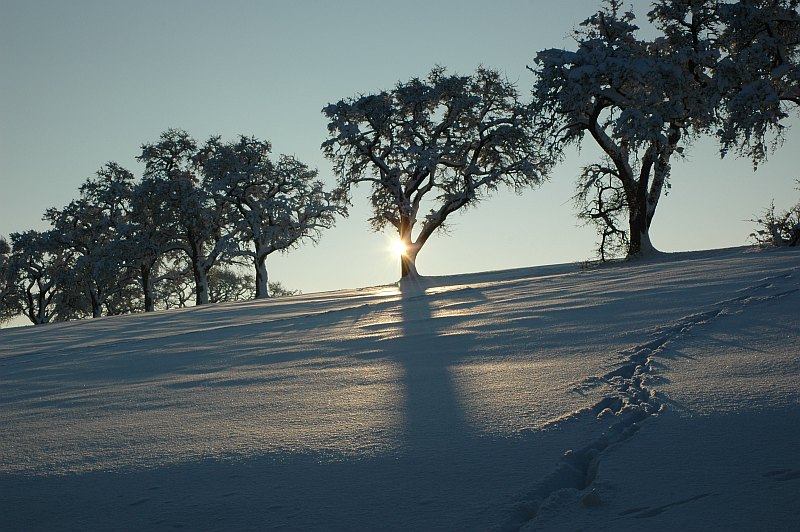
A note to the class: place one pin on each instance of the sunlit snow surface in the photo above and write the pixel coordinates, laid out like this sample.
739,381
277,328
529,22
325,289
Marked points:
445,405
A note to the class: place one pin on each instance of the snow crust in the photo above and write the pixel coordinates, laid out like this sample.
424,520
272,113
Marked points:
660,393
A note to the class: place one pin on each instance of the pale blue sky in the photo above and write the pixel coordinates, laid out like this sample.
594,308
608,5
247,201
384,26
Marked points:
88,81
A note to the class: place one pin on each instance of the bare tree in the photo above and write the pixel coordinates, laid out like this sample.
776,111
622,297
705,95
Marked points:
601,202
229,284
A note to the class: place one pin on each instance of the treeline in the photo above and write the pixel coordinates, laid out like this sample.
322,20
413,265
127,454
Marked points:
179,235
726,70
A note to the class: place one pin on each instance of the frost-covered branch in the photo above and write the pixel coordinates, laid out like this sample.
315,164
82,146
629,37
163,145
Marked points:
759,74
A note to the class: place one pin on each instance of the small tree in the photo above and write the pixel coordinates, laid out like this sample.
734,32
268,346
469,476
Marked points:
278,205
176,288
779,229
637,99
276,289
446,139
601,202
39,266
228,284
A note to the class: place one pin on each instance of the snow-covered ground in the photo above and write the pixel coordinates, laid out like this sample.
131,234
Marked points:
659,395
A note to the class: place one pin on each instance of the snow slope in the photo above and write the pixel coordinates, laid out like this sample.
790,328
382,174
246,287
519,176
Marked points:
660,394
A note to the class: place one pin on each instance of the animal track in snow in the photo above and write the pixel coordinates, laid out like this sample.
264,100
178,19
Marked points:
632,401
783,474
646,511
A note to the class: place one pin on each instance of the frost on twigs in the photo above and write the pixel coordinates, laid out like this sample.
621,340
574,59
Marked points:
601,203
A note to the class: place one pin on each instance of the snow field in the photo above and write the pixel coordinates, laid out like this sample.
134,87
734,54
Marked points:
448,405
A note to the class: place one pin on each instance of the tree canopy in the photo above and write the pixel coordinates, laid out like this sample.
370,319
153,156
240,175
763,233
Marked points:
713,68
277,205
759,73
448,140
637,99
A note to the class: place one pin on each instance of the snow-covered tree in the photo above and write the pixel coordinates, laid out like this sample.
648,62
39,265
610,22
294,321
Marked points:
448,140
89,228
278,205
778,228
80,230
229,284
39,266
149,248
134,210
638,100
759,73
9,301
190,217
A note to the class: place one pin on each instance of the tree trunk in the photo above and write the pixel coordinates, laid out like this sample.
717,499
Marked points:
646,198
262,278
97,307
639,243
408,260
199,270
200,284
36,311
147,288
408,265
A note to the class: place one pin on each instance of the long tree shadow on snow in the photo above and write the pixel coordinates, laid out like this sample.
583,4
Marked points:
446,472
426,350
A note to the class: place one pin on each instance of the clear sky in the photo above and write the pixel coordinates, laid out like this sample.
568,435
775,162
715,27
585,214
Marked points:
88,81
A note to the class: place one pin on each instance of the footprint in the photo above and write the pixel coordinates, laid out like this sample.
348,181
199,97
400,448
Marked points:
646,511
140,501
783,474
634,510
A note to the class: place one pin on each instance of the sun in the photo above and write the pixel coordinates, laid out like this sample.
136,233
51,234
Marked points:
398,247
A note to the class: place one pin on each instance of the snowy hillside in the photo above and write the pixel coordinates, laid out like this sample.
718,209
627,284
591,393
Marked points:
658,395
